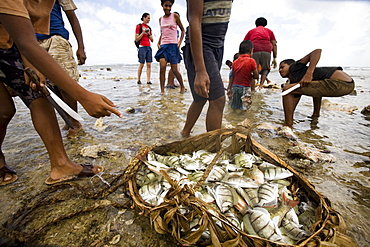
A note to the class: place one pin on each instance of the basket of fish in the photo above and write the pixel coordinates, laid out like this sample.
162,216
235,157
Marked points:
222,188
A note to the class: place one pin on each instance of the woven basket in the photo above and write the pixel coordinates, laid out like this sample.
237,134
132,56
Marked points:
328,230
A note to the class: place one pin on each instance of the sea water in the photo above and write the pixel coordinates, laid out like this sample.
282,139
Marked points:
159,119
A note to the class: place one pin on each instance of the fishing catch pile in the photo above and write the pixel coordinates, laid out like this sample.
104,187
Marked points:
255,196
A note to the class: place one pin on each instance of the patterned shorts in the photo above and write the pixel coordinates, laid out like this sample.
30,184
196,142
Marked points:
12,68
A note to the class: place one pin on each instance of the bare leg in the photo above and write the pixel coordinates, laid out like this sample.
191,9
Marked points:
139,70
316,106
162,73
171,78
178,77
263,78
148,71
193,114
46,125
215,113
289,104
73,104
7,111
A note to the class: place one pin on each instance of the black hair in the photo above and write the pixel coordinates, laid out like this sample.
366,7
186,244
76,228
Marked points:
245,46
163,1
288,61
261,21
228,62
144,15
236,55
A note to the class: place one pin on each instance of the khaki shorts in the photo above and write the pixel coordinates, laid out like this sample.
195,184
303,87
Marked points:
328,88
61,50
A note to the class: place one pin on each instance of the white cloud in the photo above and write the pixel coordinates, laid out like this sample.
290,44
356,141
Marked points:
340,28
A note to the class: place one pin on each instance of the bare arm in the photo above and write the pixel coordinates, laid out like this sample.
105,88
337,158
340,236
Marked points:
312,58
76,28
195,12
23,34
230,86
253,81
178,21
274,53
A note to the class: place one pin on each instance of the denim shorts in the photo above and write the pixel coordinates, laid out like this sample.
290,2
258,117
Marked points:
145,54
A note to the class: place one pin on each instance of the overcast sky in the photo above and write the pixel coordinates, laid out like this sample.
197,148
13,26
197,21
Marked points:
340,28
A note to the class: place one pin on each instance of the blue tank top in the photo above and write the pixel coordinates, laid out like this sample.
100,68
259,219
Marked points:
56,24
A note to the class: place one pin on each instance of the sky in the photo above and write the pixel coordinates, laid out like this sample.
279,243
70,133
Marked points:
340,28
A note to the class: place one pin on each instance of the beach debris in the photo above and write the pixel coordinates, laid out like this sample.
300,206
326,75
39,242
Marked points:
326,104
99,125
252,193
115,239
287,132
311,153
96,151
366,110
130,110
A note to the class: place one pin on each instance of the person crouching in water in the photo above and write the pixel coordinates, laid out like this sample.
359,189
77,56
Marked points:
243,76
316,82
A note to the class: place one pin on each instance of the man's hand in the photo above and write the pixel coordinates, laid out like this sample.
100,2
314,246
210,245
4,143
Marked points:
36,74
274,64
81,56
97,105
201,84
306,79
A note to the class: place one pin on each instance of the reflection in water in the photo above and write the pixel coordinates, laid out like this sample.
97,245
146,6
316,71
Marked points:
159,119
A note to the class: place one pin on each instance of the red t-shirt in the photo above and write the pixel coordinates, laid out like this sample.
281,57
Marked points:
261,38
242,70
145,41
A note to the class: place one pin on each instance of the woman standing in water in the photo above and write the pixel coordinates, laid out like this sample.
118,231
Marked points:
143,34
169,44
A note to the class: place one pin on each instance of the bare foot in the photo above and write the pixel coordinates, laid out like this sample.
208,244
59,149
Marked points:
73,132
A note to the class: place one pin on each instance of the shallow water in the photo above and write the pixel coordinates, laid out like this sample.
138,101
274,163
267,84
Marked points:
159,119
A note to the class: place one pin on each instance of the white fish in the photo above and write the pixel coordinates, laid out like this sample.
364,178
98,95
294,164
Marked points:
244,159
255,174
257,222
277,173
223,196
293,230
216,174
241,181
267,194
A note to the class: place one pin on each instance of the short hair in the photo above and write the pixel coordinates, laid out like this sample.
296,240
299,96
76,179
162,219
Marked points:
288,61
144,16
261,21
228,62
236,55
245,46
163,1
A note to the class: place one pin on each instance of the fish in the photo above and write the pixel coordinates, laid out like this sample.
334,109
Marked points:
255,174
285,206
241,181
293,230
233,218
150,192
277,173
267,194
244,159
257,222
216,174
223,196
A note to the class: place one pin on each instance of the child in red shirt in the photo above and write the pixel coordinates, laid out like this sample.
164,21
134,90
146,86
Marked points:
244,74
